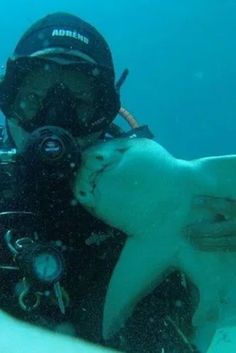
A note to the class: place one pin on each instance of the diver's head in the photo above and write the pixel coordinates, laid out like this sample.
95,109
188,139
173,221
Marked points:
61,74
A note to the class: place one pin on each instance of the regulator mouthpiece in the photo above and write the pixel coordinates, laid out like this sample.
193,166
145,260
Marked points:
52,150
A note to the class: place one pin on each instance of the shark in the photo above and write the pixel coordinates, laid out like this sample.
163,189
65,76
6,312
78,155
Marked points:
177,215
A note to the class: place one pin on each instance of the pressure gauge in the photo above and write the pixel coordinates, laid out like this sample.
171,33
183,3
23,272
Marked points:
41,264
47,266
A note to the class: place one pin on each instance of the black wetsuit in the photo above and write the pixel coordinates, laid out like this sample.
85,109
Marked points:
92,249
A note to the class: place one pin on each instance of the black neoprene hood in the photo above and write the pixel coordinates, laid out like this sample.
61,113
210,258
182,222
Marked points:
62,30
66,37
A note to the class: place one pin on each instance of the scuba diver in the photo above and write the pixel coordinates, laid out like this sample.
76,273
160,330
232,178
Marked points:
59,96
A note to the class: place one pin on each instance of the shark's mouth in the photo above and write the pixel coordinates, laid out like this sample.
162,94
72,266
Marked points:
94,181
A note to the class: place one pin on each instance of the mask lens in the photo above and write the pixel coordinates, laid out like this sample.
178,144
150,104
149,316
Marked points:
59,96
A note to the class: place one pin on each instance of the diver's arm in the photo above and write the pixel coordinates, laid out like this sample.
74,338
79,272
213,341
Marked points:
19,337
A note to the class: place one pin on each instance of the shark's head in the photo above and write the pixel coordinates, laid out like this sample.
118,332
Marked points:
115,177
130,184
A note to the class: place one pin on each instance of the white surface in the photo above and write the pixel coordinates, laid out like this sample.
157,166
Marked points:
17,337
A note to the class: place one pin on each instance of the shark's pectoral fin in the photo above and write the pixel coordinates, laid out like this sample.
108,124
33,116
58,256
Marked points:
140,268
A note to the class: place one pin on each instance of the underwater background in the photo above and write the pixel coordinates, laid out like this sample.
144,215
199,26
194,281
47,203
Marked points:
181,56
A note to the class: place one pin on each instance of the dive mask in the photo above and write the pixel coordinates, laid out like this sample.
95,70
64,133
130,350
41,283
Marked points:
60,107
82,94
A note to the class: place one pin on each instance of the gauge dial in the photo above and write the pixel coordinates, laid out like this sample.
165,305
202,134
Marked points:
47,266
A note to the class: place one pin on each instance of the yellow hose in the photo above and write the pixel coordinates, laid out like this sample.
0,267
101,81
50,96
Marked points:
131,120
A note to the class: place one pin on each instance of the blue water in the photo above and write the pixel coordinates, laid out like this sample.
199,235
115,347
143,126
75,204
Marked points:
182,61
